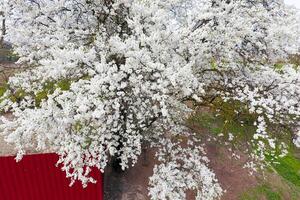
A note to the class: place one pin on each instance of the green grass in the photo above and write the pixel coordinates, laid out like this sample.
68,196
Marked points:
207,121
2,90
289,168
225,124
261,192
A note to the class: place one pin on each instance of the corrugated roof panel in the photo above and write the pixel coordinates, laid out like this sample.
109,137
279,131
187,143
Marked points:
35,177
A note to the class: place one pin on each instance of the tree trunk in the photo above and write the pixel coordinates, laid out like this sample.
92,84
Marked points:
3,31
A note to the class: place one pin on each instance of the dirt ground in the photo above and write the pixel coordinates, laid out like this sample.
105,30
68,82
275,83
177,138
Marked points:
132,184
5,149
234,179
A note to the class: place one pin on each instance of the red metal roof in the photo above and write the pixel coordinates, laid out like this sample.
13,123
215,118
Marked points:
35,177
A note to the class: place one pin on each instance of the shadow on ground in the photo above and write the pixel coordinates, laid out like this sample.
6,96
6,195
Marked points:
131,184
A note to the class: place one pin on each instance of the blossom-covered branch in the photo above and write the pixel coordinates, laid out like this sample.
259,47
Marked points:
101,77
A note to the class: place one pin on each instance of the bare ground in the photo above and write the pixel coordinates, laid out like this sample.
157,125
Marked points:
132,184
5,149
233,178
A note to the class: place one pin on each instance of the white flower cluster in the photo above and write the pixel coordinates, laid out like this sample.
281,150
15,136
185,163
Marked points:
296,140
131,64
183,169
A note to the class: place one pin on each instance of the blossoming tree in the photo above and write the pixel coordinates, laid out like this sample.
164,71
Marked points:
101,77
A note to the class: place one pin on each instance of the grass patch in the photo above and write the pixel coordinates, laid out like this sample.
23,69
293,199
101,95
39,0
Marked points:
242,128
261,192
208,121
2,90
289,168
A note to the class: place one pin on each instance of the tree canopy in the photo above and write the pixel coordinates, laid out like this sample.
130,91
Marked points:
102,77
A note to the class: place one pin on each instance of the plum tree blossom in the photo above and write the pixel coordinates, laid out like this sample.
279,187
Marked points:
101,77
183,169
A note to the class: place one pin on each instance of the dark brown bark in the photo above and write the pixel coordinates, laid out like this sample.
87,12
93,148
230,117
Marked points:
3,31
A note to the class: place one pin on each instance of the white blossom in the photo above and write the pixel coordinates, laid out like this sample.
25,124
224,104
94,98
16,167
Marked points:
127,68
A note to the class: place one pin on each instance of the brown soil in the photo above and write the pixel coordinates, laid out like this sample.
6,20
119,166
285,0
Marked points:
233,178
5,149
132,184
